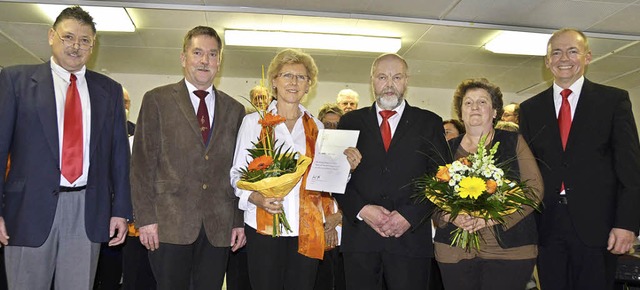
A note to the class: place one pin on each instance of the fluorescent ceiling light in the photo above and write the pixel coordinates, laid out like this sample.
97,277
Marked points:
106,18
515,42
312,41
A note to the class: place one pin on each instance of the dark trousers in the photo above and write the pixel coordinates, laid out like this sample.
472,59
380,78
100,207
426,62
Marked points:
238,270
565,262
275,264
109,270
331,271
435,278
136,270
197,266
375,270
481,274
3,272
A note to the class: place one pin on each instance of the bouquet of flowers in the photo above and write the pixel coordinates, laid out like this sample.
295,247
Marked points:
476,186
273,172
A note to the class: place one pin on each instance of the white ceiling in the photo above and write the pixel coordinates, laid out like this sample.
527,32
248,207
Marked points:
441,39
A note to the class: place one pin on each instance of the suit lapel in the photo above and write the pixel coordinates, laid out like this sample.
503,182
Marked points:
183,100
219,117
44,92
371,124
97,97
406,120
550,118
584,106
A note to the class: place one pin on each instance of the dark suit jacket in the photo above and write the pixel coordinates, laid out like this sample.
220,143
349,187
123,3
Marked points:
385,178
177,181
29,131
600,166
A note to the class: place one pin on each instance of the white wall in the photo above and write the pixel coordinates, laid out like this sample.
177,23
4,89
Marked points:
433,99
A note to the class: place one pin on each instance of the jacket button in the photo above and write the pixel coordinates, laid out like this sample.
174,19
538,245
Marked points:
204,186
206,157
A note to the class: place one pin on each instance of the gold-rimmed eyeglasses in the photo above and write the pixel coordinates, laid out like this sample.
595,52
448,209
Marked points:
69,40
291,76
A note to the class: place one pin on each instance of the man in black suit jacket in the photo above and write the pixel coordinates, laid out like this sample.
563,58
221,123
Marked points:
56,221
386,233
592,209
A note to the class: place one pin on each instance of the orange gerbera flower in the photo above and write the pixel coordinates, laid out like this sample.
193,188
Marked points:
443,174
261,163
270,120
491,186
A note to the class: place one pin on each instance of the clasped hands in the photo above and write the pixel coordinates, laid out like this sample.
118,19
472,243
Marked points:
386,223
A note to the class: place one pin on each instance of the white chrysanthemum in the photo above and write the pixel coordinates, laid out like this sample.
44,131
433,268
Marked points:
452,182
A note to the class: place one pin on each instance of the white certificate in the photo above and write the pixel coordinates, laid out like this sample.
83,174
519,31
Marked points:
330,169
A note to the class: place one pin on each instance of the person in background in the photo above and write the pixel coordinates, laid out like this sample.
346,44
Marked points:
348,100
503,263
260,97
511,113
507,126
136,270
329,115
68,187
331,268
110,263
289,261
185,209
131,126
452,128
585,139
386,235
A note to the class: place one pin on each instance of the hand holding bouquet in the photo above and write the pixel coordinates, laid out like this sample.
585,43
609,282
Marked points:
476,186
273,172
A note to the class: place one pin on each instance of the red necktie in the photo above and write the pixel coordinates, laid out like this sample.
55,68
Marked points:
72,137
385,129
564,117
203,115
564,121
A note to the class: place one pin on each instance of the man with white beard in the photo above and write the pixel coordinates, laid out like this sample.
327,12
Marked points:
385,240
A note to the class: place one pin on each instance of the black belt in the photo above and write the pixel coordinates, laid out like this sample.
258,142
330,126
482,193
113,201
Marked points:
563,200
72,189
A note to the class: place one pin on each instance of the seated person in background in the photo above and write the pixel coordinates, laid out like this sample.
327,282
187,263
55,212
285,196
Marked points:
329,115
452,128
348,100
259,98
511,113
507,126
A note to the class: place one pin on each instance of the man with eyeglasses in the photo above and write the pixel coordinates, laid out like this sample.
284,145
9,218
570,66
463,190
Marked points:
68,187
585,139
347,100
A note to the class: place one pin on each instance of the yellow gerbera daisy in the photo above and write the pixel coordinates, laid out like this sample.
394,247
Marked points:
471,187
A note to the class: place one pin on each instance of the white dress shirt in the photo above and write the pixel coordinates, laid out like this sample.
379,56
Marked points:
61,82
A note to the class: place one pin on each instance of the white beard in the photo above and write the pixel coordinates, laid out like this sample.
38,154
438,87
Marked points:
389,103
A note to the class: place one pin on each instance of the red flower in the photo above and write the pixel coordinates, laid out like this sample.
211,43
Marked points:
261,163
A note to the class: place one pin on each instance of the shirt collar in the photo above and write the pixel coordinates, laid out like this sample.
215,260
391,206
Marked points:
66,75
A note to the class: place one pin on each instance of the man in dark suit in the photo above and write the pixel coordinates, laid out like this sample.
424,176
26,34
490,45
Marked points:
68,187
185,207
585,138
386,235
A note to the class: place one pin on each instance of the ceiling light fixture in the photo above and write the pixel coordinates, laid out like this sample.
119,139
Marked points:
516,42
106,18
312,41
